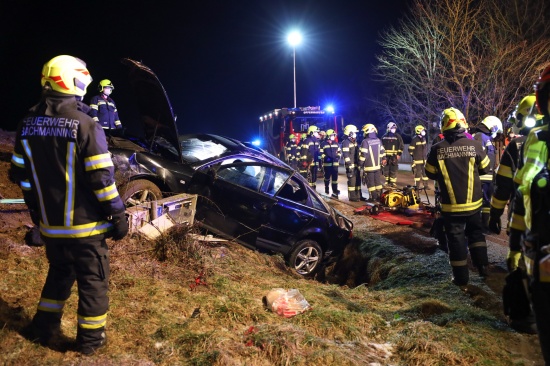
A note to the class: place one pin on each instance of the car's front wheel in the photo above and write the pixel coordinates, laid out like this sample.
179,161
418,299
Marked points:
139,191
306,258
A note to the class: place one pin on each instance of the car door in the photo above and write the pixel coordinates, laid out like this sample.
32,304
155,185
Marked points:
242,208
290,215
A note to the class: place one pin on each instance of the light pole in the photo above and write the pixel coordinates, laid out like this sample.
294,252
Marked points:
294,38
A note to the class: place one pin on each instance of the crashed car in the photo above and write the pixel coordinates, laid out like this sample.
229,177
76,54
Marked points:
244,193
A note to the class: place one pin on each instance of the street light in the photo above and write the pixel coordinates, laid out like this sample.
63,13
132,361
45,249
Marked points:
294,38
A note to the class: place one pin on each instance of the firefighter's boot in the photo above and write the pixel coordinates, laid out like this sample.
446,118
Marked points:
90,340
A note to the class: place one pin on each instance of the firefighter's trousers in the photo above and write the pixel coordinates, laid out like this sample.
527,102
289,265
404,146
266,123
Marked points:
374,184
88,265
354,184
540,298
420,175
463,233
487,189
331,175
390,170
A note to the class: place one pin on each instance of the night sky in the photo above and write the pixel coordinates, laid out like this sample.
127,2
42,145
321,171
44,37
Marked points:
222,63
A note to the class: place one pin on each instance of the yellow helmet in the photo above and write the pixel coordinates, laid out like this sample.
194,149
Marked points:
66,74
526,113
419,129
451,119
349,129
312,129
303,136
369,128
330,132
292,136
105,82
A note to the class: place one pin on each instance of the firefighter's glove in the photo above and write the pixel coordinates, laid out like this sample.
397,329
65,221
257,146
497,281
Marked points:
494,224
120,225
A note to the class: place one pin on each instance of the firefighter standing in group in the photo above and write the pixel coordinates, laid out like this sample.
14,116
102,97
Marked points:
292,152
67,178
103,108
456,163
350,153
330,157
372,157
393,144
532,213
523,119
485,132
310,154
419,150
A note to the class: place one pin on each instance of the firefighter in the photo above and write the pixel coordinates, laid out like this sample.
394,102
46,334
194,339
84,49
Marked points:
393,144
457,163
302,164
67,178
532,213
310,154
485,132
103,108
350,153
372,157
523,120
292,152
418,150
330,157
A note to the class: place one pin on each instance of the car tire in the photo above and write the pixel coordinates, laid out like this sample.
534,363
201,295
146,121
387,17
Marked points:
306,258
138,192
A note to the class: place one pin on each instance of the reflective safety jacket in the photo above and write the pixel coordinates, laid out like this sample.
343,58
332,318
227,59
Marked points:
456,163
310,150
292,152
393,144
330,153
484,137
418,149
104,111
350,153
504,175
66,173
372,153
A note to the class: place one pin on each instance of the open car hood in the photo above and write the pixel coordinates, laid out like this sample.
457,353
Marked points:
157,116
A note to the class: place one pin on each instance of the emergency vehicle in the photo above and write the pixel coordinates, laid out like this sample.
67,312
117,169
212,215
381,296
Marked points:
276,125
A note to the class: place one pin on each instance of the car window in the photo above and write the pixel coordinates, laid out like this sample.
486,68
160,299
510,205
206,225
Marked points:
248,176
194,149
276,179
294,190
316,203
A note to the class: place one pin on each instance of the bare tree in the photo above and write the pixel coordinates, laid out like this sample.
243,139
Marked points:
478,56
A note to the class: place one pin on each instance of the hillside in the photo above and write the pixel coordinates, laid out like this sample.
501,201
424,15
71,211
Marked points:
388,301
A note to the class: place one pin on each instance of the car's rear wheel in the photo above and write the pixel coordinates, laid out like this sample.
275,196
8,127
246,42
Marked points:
305,259
139,191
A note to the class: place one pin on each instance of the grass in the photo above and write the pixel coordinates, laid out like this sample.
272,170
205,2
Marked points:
178,301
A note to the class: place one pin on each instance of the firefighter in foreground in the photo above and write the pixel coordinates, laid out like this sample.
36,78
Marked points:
532,212
330,157
393,144
456,163
67,178
350,152
310,155
372,157
523,119
419,150
302,165
292,152
103,108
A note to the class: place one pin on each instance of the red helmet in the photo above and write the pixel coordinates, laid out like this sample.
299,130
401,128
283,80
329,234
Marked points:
542,90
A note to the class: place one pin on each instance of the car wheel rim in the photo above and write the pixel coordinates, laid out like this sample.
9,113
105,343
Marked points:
140,197
306,260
